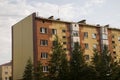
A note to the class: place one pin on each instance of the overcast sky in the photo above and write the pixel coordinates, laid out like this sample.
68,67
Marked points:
94,11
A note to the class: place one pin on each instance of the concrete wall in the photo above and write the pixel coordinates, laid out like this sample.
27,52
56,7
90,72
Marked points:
22,44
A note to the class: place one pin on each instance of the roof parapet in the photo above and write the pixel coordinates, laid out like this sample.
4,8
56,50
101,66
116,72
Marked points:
98,25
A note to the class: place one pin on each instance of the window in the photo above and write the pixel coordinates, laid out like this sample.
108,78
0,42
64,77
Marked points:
75,33
64,42
114,52
113,42
113,46
86,46
54,43
85,34
64,36
45,68
44,55
104,36
6,78
113,36
119,38
63,30
93,35
95,46
65,49
87,57
43,30
43,42
54,31
6,72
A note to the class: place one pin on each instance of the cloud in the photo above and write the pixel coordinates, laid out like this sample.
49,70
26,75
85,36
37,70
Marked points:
14,10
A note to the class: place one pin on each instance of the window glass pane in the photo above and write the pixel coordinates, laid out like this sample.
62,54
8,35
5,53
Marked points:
95,46
119,38
63,30
44,55
75,33
45,68
43,30
104,36
54,31
85,34
87,57
43,42
93,35
86,46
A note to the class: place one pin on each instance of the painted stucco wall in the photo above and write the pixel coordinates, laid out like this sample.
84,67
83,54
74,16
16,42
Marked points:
6,72
90,40
22,44
116,34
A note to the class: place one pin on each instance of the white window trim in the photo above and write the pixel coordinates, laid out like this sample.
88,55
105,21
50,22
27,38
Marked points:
44,55
43,30
45,68
46,42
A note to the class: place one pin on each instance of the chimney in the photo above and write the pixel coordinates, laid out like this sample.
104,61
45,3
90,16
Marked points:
51,17
58,19
82,21
106,25
98,25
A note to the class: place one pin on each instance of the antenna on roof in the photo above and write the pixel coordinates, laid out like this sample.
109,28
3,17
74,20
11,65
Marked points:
37,14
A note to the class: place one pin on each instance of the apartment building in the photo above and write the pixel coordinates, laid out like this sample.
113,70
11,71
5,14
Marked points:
33,37
6,71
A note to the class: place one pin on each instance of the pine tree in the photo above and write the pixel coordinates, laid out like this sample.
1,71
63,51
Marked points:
55,61
28,73
39,75
64,69
77,62
104,64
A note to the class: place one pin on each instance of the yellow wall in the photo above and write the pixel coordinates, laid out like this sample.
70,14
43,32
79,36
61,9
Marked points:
89,40
6,69
59,26
116,34
22,45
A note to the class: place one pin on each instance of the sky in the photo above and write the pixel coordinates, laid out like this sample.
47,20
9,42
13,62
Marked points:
101,12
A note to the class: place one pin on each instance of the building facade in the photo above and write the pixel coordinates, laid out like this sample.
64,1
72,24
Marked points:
33,37
6,71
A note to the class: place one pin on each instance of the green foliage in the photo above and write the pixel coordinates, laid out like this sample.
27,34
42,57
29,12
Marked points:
104,65
77,62
58,62
38,74
28,73
63,69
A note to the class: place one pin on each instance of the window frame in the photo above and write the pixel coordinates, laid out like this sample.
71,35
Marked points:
45,68
44,55
87,57
86,46
44,42
85,34
94,35
43,30
54,31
